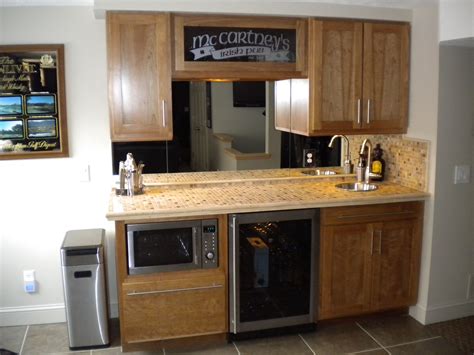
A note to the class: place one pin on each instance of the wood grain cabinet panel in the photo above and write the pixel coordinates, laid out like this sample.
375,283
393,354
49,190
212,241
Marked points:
395,264
139,68
370,258
174,309
283,105
336,75
345,270
386,72
357,79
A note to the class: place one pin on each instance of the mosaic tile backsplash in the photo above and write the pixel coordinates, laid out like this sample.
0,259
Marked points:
406,159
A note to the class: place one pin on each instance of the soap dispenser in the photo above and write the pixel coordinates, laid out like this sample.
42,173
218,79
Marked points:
360,169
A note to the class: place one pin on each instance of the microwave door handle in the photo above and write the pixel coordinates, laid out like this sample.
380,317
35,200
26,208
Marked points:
131,250
196,247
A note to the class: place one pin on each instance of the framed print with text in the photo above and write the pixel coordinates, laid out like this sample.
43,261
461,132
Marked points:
33,121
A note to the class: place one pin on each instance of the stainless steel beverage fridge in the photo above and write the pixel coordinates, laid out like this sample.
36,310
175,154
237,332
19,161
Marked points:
273,264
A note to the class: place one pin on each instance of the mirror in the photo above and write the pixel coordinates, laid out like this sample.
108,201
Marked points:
225,126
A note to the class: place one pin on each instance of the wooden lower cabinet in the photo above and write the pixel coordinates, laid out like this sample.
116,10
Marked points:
370,258
345,270
174,309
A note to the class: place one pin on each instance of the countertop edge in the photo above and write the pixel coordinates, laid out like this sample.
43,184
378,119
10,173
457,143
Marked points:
191,212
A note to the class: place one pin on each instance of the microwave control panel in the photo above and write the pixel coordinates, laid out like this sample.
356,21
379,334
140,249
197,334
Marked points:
209,244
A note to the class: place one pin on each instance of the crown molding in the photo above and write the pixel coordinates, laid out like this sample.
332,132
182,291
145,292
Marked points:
14,3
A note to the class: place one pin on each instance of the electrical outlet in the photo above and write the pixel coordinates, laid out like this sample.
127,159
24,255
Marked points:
29,281
462,174
309,158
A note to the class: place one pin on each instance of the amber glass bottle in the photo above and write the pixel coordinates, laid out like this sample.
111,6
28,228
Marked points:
378,164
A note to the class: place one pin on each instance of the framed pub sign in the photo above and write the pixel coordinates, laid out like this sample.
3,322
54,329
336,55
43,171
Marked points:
33,122
232,47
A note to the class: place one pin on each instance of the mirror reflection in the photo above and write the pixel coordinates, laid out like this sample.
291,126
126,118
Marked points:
225,126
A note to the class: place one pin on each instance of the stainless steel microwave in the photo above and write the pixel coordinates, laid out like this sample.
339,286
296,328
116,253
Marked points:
172,246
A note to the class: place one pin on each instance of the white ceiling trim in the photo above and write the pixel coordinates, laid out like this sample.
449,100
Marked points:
13,3
365,9
399,4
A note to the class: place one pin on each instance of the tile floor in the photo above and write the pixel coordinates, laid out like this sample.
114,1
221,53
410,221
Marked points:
370,335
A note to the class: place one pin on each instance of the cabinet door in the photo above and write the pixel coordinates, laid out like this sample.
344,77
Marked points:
386,61
174,309
283,105
291,106
345,270
395,264
335,71
139,67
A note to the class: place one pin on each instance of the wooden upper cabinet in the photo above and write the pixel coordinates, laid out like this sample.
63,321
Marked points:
291,105
386,73
283,105
336,75
358,78
139,68
239,47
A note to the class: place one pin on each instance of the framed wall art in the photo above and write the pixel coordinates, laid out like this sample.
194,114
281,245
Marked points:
33,121
240,47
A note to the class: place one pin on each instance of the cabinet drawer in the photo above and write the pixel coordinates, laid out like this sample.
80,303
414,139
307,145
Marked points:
371,213
174,309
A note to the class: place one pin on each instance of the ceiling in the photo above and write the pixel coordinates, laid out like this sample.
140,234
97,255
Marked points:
401,4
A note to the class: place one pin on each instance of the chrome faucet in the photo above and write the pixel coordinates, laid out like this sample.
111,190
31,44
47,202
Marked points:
367,143
347,160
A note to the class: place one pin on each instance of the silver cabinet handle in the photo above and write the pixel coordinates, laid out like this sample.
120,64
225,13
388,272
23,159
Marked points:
380,241
358,111
173,290
372,242
163,109
234,272
368,111
349,216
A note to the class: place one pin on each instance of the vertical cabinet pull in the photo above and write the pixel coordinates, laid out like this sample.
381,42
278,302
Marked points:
380,241
358,111
234,271
368,111
372,242
163,109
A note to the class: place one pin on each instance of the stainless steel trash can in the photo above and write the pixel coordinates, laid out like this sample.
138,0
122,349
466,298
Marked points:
85,291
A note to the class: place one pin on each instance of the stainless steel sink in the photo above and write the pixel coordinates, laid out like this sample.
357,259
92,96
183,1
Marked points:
318,172
356,186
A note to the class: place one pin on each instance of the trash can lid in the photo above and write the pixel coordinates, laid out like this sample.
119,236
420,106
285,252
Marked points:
83,247
83,238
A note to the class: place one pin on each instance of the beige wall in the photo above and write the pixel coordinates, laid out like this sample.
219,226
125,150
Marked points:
41,199
423,113
452,228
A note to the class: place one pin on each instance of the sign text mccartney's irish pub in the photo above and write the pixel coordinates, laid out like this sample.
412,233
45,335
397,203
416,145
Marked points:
235,44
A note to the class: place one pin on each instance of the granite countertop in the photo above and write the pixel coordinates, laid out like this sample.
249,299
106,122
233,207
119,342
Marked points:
214,194
210,177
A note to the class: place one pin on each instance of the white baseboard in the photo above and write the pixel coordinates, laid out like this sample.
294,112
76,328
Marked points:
40,314
441,313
